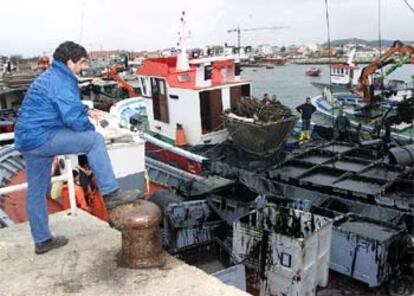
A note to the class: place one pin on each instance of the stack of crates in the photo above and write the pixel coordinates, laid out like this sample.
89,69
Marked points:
366,250
189,223
289,248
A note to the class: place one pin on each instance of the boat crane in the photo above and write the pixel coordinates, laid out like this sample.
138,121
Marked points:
113,72
365,84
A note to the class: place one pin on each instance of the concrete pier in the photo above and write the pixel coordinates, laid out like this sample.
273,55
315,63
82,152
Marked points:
89,265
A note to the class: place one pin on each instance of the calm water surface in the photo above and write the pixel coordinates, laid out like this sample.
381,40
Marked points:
292,86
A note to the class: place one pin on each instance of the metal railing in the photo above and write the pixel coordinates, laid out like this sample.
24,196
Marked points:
6,136
64,177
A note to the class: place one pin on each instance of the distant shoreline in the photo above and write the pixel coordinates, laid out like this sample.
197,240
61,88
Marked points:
309,61
319,61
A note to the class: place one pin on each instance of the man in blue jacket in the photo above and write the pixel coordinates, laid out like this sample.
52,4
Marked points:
53,121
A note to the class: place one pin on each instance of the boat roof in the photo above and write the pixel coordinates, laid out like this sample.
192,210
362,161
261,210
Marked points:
344,66
166,67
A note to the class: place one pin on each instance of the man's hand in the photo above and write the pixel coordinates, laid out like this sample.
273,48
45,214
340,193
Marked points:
86,171
95,115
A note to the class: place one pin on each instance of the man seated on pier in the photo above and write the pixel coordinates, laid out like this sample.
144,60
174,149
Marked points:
53,121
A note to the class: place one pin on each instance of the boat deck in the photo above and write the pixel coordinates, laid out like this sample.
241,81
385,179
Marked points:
89,265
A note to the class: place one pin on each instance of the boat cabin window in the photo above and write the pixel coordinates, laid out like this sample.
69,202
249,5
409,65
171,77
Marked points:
211,108
245,90
237,69
236,92
159,100
207,72
144,86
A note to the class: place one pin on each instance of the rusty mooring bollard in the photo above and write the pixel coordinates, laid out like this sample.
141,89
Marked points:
141,239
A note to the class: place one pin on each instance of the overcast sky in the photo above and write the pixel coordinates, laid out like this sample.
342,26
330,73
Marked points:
33,27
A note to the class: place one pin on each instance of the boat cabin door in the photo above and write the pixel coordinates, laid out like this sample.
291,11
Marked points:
211,107
159,99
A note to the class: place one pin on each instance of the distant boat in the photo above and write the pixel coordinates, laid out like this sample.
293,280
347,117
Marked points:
269,66
278,61
313,72
343,76
353,106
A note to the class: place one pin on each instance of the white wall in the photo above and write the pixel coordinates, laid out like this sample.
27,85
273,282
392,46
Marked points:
127,158
225,98
184,110
200,82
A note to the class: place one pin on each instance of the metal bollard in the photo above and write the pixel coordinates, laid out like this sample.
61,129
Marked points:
141,239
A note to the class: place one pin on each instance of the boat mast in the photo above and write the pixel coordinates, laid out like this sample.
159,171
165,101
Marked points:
350,60
81,25
182,59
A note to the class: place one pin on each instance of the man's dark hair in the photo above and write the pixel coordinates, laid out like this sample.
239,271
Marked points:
69,50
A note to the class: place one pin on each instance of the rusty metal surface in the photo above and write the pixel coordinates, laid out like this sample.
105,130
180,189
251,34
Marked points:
138,215
141,238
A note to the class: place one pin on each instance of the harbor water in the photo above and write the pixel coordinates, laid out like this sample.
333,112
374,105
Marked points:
290,84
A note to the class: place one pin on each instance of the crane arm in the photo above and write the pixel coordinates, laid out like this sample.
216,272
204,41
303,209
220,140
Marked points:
113,72
364,80
264,28
256,29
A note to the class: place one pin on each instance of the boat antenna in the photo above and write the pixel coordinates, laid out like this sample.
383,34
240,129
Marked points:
81,25
182,59
409,6
379,27
380,49
379,35
329,59
329,44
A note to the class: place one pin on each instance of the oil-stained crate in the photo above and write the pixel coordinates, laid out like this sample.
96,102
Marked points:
189,223
229,209
289,248
365,249
215,259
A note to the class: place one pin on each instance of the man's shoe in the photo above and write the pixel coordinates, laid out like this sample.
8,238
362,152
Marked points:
53,243
120,197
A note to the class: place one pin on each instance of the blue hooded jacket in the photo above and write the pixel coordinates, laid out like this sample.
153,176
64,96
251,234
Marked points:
52,102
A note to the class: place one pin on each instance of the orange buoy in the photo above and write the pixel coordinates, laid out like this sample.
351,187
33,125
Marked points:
180,139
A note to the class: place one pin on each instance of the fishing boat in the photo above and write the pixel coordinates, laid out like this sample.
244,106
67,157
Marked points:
332,190
187,105
355,109
343,77
374,106
10,100
313,72
277,61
